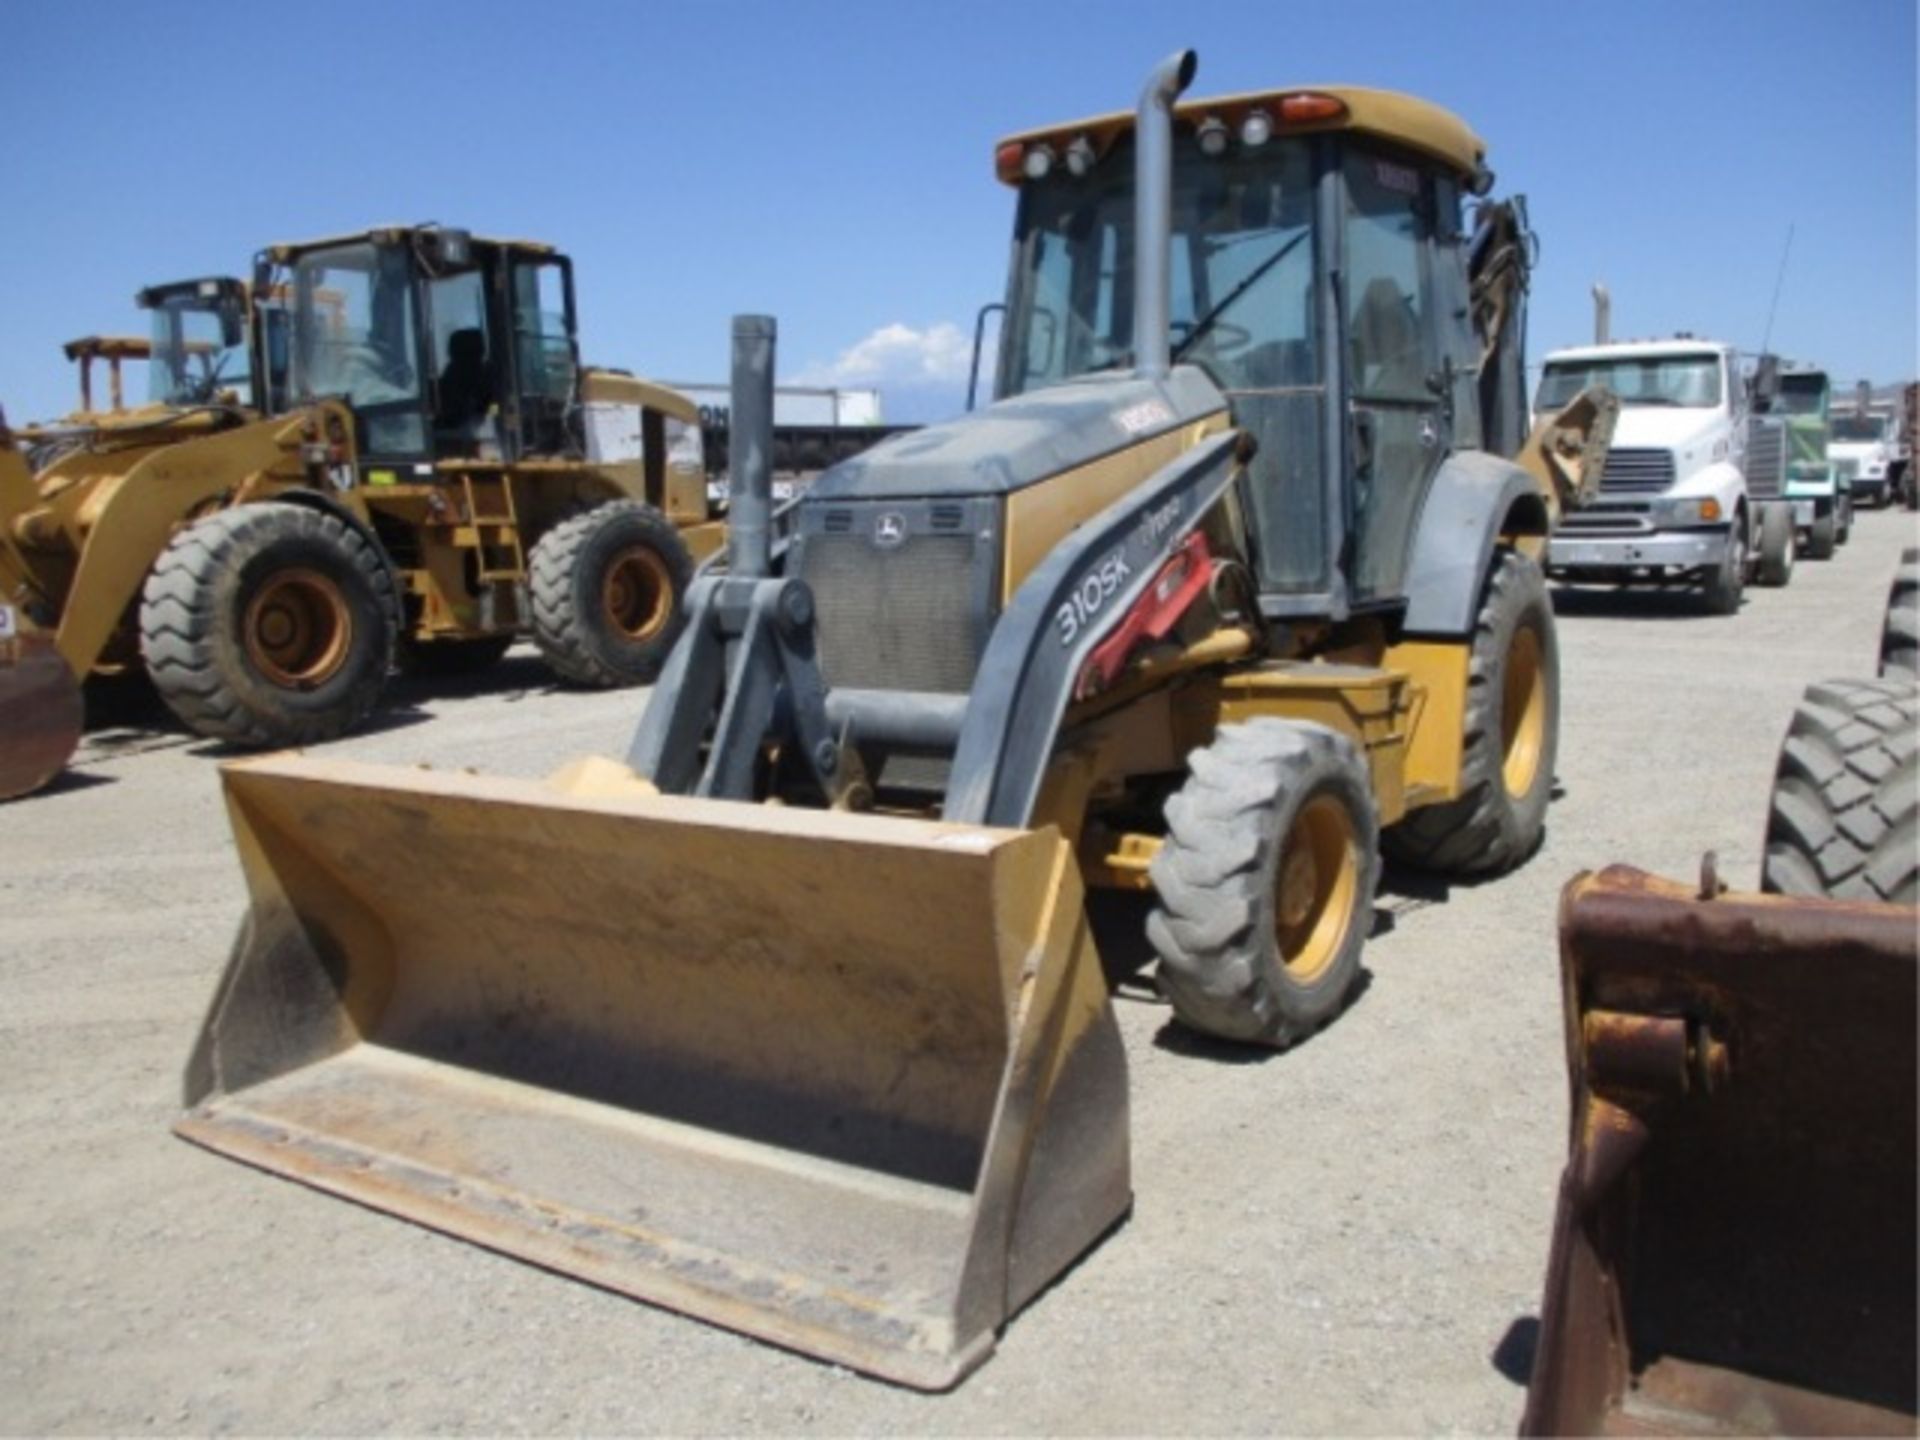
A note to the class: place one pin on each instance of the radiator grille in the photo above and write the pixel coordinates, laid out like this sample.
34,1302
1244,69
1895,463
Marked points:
1637,472
1766,458
893,619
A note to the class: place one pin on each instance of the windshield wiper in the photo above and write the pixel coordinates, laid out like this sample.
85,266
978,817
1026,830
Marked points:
1206,321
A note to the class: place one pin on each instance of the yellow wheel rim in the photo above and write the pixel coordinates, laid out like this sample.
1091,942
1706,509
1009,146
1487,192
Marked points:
638,594
1523,713
298,629
1314,890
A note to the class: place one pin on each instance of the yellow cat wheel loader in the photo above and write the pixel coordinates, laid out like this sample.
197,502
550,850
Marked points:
793,1020
1734,1248
407,478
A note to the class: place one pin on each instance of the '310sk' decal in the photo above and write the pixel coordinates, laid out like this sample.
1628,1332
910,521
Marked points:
1091,595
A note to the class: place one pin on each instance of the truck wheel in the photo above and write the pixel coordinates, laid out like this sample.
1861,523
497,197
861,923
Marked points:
269,624
608,590
1900,632
1777,545
1512,734
1820,537
1841,820
1265,882
1722,589
1843,511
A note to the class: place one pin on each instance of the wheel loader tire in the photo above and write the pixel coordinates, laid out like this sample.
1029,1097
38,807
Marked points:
1777,546
1266,881
1724,587
445,658
1820,537
1841,820
1512,736
1900,633
268,625
609,588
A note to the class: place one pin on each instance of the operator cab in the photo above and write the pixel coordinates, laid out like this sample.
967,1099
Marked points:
199,352
444,345
1319,276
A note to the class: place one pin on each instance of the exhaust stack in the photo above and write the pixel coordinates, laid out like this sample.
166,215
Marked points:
750,448
1153,206
1602,315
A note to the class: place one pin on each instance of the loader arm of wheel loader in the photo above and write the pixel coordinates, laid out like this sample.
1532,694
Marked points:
1733,1251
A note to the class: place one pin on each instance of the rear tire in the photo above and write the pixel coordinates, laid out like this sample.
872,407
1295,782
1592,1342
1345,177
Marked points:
268,625
1820,537
1777,546
1843,527
1512,736
1724,587
609,590
1900,632
1266,882
1841,819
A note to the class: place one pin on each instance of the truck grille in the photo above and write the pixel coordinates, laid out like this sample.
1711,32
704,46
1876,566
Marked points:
1766,458
908,615
1637,472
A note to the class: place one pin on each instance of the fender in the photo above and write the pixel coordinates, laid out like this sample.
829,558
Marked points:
1473,501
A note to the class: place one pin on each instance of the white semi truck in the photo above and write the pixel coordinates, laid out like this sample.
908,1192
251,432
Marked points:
1674,504
1863,431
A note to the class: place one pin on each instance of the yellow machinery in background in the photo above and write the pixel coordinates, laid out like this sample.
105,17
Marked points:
387,458
793,1019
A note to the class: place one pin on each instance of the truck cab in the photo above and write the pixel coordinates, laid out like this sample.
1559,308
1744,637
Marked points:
1863,442
1822,497
1672,503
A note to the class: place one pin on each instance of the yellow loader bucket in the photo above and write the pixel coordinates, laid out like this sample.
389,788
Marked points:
847,1083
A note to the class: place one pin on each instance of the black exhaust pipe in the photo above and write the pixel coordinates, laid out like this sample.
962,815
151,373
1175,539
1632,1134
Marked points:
750,449
1152,213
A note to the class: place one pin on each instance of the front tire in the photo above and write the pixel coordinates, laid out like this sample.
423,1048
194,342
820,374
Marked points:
609,589
1841,821
1512,736
1724,587
1266,881
1820,537
269,625
1777,546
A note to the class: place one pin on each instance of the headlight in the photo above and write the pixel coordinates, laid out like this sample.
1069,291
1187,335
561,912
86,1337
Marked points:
1686,512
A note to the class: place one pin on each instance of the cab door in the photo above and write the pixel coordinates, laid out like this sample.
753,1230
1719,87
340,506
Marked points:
1397,393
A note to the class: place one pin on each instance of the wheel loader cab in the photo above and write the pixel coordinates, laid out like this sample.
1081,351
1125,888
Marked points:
1318,278
443,345
199,348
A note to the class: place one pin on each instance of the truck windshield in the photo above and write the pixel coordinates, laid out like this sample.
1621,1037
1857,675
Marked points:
352,324
191,362
1802,395
1858,429
1688,381
1242,281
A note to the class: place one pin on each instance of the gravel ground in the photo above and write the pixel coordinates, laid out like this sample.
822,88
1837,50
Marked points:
1349,1237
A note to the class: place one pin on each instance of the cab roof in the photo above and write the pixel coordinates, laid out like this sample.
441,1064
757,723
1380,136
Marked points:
286,250
1418,124
1633,349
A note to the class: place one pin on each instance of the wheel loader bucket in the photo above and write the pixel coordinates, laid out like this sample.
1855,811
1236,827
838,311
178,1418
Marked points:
847,1083
41,713
1734,1247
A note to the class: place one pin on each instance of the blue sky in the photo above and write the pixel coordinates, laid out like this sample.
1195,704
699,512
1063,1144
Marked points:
832,163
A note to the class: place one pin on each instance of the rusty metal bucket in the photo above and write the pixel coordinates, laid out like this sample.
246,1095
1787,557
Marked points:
844,1082
1734,1249
41,712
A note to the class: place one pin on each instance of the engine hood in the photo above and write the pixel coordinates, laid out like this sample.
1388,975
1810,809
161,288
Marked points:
1024,440
1662,427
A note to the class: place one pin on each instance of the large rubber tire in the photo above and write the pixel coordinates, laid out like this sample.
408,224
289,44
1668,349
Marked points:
269,624
1820,537
1777,546
609,594
1843,528
1841,819
1900,632
1723,589
1505,779
1266,881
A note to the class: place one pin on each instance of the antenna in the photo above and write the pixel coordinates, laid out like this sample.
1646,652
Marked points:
1778,280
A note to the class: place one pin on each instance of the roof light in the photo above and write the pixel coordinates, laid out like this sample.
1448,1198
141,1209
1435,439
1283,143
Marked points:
1213,136
1080,156
1298,109
1006,162
1038,162
1256,128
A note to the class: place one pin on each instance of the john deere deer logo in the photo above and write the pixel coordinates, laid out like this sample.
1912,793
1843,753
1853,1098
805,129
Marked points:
890,530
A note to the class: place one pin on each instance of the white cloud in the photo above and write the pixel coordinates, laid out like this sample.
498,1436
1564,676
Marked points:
898,355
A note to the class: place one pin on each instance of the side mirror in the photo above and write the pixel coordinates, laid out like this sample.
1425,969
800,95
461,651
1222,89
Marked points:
1765,384
446,248
979,333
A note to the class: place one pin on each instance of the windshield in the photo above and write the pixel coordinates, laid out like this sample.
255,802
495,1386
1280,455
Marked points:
1858,428
1242,275
1687,381
191,361
1802,395
353,326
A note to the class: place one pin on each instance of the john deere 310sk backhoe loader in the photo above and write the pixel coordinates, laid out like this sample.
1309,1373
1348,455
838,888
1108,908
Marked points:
1224,591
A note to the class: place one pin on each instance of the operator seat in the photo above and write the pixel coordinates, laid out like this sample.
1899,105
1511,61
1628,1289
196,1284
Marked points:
466,386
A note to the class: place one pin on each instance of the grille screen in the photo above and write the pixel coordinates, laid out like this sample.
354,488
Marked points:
1766,459
898,619
1637,472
